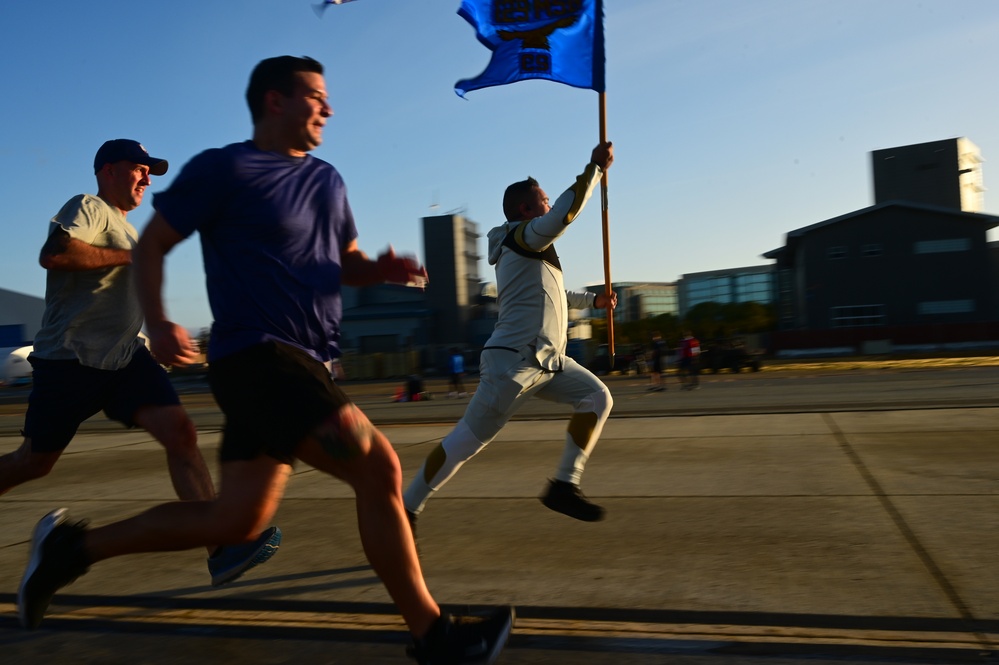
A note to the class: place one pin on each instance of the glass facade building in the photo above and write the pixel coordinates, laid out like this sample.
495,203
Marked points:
640,300
732,285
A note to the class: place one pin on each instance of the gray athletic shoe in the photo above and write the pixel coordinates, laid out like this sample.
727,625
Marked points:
57,558
231,561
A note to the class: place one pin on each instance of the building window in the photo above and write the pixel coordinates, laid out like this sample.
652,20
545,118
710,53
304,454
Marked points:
731,286
855,316
836,253
941,246
946,307
872,249
754,288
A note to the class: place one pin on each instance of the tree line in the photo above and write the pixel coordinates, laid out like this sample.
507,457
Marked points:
707,320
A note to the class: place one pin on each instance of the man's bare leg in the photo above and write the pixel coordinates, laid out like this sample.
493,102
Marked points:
249,497
22,465
368,463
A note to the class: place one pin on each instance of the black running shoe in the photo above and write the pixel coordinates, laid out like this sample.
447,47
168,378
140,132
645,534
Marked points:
57,558
453,640
568,499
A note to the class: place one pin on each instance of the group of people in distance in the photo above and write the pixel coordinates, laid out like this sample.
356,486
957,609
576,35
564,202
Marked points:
687,362
278,241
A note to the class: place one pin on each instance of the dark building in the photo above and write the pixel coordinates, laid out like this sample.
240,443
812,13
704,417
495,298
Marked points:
914,271
450,249
454,310
384,318
944,173
891,264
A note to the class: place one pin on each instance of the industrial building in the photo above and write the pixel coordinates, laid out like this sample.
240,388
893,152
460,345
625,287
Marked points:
913,271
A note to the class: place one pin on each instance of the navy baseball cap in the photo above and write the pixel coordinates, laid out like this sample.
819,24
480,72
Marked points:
117,150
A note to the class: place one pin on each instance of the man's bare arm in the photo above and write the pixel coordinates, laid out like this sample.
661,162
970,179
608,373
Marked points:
63,252
359,270
169,342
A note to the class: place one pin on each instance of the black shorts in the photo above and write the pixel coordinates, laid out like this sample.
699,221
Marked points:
273,396
65,393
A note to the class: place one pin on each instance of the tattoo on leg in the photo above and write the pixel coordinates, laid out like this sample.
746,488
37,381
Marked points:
339,436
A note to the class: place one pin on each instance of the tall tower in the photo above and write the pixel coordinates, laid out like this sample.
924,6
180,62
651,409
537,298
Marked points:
450,249
946,173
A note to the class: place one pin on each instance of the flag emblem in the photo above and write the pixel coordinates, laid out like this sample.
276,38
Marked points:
556,40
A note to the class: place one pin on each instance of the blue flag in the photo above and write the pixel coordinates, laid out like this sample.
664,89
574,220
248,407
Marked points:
555,40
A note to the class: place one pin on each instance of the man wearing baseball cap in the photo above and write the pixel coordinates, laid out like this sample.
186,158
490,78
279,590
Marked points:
127,150
88,356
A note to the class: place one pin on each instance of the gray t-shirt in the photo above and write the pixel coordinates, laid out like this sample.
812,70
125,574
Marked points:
91,315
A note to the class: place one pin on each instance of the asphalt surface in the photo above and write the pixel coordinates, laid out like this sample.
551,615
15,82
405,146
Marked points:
785,517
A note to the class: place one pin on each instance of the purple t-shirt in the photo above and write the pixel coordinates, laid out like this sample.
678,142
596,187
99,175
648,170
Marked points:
272,228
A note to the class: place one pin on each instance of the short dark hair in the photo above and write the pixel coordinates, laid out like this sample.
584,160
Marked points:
276,74
517,193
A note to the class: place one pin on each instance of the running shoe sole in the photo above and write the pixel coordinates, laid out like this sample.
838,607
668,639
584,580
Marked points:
42,530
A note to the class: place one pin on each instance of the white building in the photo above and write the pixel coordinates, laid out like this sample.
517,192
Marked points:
20,318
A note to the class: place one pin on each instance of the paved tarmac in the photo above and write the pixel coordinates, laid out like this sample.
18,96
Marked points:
776,534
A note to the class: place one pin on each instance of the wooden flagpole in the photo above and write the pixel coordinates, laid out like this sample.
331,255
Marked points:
606,233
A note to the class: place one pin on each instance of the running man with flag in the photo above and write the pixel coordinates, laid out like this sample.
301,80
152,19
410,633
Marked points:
526,354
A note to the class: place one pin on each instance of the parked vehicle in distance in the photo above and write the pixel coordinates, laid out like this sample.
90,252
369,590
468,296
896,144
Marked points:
627,358
729,353
15,369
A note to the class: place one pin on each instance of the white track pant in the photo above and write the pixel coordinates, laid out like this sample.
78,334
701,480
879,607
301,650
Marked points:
507,380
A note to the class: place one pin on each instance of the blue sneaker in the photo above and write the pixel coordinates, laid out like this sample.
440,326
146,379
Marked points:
231,561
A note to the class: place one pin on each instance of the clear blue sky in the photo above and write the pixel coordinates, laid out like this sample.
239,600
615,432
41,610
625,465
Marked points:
734,121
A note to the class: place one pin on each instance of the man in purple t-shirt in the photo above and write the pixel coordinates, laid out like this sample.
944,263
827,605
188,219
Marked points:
278,239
